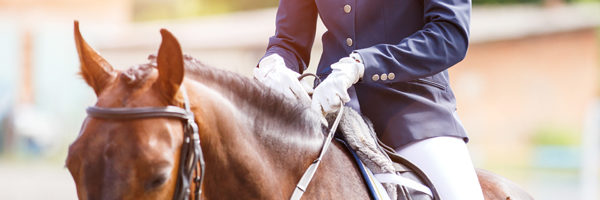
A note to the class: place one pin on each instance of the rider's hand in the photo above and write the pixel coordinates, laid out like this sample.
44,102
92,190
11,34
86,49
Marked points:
328,95
272,72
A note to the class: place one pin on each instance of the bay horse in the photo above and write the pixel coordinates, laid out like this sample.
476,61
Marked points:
255,143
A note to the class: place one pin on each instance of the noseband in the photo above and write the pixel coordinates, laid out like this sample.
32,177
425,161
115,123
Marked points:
191,152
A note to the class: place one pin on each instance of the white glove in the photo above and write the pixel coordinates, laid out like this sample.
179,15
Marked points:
273,73
328,96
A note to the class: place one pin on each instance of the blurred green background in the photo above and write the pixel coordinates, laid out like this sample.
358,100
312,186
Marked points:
527,92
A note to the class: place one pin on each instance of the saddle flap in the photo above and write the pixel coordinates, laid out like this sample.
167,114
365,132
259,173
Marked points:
360,138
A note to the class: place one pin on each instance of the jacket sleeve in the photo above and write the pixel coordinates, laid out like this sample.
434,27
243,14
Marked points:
441,43
295,33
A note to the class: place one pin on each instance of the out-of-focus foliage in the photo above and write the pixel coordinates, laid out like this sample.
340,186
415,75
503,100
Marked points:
236,5
556,136
168,9
492,2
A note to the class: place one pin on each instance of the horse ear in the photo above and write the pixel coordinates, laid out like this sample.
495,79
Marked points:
94,69
170,64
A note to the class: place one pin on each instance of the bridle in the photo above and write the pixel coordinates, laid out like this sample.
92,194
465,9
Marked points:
191,152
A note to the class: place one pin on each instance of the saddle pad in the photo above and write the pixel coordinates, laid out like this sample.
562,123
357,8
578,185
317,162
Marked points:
399,180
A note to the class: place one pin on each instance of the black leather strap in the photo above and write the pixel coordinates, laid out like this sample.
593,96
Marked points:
137,113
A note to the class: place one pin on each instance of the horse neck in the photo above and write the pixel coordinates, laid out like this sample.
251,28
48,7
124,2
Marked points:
245,149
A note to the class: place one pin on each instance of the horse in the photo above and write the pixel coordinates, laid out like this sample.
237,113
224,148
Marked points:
255,143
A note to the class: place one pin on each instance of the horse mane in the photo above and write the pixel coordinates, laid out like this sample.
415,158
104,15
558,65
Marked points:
243,91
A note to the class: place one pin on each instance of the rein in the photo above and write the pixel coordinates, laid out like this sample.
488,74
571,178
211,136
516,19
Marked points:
191,151
310,172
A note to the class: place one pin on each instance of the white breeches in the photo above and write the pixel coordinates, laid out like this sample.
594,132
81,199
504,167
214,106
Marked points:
447,163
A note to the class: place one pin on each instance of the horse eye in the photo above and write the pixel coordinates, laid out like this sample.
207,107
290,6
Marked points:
156,182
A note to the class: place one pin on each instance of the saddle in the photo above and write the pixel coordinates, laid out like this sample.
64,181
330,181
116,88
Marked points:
386,170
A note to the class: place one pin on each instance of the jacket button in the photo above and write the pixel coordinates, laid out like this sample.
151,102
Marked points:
384,77
375,77
349,42
391,76
347,8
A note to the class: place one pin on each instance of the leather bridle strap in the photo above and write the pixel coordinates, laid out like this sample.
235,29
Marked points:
310,172
198,155
136,113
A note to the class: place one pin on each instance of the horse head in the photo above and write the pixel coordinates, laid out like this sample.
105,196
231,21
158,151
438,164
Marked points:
129,159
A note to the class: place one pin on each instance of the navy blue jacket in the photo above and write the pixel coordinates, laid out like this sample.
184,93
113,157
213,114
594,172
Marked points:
406,46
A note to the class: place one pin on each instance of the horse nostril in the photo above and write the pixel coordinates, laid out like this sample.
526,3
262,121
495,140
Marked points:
156,182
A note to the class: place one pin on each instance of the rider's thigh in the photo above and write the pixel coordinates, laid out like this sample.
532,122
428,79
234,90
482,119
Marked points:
447,163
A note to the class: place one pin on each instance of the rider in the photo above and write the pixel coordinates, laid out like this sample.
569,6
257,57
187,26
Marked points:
388,60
